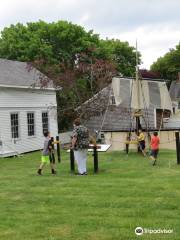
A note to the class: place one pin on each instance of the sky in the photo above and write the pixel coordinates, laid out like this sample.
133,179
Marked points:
154,23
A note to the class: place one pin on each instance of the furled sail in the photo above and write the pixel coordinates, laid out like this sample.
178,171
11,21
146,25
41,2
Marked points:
141,94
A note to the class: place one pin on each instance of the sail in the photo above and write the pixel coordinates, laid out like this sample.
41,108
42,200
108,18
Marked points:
141,94
139,98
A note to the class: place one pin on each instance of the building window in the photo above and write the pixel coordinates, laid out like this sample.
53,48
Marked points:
14,125
45,122
31,124
179,105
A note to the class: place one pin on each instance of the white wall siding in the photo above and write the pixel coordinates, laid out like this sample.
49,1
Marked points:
18,103
25,143
10,97
53,128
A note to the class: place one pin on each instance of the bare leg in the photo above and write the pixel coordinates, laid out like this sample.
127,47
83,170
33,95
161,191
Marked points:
40,168
154,163
53,168
144,152
153,159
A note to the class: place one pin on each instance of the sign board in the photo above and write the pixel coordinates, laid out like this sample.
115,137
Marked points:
100,147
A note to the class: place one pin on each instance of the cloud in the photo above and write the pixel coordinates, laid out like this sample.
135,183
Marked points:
83,20
127,15
152,42
154,22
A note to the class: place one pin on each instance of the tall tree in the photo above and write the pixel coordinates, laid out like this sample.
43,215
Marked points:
77,60
168,66
54,42
122,54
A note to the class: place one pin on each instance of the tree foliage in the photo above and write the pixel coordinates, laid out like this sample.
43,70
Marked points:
61,42
168,66
75,59
54,42
122,54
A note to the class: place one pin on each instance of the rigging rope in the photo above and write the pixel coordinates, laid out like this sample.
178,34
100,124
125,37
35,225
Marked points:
105,113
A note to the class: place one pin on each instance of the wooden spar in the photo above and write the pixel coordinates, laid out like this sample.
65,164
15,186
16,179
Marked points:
136,114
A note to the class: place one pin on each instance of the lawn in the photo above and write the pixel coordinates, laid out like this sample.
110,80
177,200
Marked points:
128,192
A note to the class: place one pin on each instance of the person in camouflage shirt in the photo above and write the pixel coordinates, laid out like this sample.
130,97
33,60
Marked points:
80,144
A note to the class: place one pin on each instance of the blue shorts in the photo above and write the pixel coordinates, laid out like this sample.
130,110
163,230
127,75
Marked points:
154,153
142,145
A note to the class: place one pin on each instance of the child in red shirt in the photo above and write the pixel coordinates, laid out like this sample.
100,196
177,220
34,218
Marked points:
155,141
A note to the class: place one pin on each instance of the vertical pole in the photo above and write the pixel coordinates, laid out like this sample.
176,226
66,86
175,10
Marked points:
58,149
127,145
137,131
177,147
52,151
72,166
95,159
137,125
127,148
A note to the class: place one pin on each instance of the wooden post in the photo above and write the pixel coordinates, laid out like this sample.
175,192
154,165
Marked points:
95,159
58,149
127,148
137,131
177,147
52,151
127,145
72,165
137,125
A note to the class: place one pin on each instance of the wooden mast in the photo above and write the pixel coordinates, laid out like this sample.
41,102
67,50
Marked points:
137,112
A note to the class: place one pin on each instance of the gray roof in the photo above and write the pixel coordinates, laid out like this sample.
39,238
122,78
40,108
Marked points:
99,115
175,91
20,74
107,117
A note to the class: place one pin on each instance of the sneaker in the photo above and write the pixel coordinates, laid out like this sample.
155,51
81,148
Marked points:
85,173
154,163
39,172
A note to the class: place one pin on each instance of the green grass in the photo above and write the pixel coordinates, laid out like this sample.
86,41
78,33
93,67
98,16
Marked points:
128,192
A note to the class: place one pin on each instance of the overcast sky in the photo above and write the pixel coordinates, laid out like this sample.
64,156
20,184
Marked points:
155,23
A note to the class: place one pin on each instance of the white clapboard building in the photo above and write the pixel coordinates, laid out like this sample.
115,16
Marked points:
26,108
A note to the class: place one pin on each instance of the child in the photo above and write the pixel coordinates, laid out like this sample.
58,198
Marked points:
45,158
155,140
141,140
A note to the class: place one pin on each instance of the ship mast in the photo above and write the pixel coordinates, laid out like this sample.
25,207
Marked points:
137,112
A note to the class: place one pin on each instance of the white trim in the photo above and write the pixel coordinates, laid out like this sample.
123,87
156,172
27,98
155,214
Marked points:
29,87
45,111
19,130
25,108
155,118
34,124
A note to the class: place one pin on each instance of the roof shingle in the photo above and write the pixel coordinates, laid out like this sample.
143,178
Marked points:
15,73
